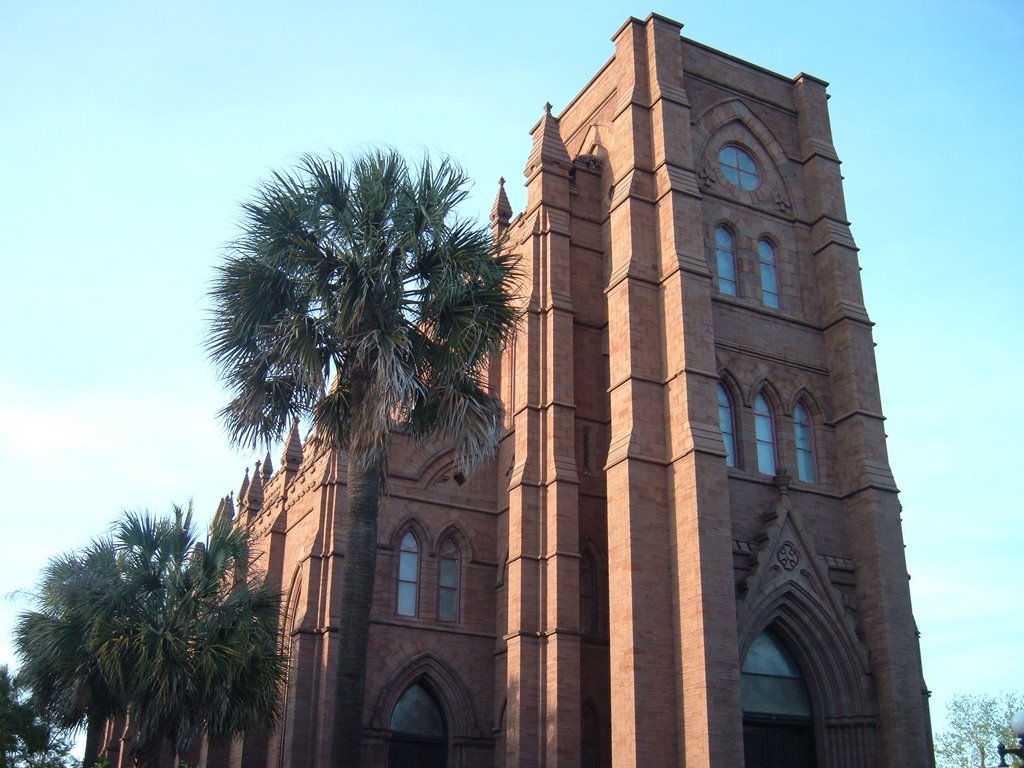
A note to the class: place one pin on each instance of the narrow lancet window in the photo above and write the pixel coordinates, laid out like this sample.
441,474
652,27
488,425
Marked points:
803,434
448,582
769,274
408,575
727,424
725,254
764,433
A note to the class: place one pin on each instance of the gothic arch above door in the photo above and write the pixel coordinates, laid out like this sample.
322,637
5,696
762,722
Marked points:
419,733
778,721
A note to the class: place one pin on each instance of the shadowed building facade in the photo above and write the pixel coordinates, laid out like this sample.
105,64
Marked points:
687,551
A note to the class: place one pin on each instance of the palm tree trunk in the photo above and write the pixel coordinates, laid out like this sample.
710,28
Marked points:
356,601
94,727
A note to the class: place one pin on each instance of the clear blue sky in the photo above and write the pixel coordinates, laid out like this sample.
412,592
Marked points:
130,132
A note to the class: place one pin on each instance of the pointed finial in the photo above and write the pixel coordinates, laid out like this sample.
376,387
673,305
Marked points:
268,467
548,147
229,506
292,456
254,498
501,211
245,485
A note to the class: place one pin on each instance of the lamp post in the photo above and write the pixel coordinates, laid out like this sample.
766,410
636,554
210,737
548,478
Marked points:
1017,723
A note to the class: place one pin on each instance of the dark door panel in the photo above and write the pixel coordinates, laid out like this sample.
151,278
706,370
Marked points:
775,745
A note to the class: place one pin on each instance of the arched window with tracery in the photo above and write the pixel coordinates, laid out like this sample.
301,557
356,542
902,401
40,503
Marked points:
803,435
448,581
769,274
727,423
725,258
408,575
764,434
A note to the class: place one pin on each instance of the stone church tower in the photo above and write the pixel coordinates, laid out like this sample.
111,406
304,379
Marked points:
687,551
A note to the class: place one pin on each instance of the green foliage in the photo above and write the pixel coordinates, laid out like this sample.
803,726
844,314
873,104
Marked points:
26,741
150,622
357,296
976,725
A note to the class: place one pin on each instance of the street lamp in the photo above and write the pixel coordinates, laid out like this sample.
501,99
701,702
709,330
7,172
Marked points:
1017,723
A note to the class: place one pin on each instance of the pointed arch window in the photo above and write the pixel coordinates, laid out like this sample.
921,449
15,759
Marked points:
448,580
764,434
408,575
778,722
419,732
769,274
770,680
803,434
727,423
725,256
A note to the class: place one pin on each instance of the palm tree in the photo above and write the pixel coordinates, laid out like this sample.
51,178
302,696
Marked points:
176,635
357,297
197,648
57,642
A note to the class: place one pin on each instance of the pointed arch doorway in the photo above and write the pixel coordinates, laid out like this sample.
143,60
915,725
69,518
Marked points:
778,723
419,733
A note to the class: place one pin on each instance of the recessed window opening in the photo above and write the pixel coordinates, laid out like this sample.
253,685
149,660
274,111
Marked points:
764,433
419,733
408,575
739,167
448,582
778,724
770,680
803,433
725,256
769,274
726,424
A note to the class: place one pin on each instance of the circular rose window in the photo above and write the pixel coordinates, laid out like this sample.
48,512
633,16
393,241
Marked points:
739,167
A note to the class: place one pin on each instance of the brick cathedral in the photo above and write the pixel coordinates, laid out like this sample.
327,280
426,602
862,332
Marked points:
687,551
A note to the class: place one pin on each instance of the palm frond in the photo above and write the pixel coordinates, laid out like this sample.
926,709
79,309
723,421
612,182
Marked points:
360,275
